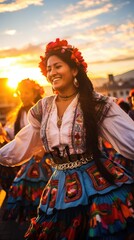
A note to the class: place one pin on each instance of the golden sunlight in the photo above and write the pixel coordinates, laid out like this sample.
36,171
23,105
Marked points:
16,74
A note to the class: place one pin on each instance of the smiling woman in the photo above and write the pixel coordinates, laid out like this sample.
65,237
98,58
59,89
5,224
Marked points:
88,196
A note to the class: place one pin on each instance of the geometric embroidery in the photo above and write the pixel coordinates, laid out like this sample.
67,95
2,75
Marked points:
118,172
53,193
33,171
73,189
99,181
50,192
78,133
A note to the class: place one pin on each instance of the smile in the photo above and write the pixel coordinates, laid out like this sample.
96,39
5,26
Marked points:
56,79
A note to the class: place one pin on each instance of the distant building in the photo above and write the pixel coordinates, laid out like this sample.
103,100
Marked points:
118,89
7,100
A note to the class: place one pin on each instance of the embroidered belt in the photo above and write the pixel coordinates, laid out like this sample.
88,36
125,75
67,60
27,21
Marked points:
58,158
71,165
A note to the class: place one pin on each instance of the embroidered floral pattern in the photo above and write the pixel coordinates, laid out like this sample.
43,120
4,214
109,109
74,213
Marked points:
73,188
50,192
33,171
99,181
109,214
46,106
78,134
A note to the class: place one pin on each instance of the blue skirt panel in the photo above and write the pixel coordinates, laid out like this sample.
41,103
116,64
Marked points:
70,188
33,171
25,192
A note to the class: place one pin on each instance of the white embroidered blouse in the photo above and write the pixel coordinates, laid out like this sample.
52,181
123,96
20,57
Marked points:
117,128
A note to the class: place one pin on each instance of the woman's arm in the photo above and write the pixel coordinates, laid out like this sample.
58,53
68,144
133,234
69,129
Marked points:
118,129
26,143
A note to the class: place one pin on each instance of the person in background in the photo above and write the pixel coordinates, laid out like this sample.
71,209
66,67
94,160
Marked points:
118,158
111,152
30,93
25,191
124,105
87,196
131,100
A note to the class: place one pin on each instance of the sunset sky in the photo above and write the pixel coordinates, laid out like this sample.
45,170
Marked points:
102,29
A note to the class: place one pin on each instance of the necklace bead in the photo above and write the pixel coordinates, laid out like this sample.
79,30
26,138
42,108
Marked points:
59,121
65,98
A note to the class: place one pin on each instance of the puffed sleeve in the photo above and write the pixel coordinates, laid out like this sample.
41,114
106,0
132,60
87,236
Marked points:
118,129
10,131
26,143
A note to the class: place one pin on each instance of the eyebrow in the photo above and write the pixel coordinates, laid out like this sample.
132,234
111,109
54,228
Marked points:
54,64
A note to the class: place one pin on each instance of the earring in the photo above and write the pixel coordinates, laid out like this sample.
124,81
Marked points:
76,84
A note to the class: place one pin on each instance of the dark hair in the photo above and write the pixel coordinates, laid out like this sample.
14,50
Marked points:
125,106
87,103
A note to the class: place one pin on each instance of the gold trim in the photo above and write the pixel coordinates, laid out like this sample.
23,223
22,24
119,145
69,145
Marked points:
71,165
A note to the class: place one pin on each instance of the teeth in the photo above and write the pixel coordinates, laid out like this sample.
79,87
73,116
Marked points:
56,79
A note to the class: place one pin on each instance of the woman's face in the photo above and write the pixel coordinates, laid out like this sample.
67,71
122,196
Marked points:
27,96
60,74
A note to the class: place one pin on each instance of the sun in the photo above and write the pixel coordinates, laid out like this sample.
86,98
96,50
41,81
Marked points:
12,83
16,74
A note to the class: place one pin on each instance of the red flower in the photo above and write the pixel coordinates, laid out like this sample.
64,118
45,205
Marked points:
76,55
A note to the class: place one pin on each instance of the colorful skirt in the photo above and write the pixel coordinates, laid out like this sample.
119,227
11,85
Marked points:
126,163
26,189
79,204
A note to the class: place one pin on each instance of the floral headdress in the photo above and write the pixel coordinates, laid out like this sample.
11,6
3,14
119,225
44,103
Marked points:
76,55
31,84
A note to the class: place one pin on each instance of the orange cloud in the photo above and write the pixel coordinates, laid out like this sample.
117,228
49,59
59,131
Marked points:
117,59
28,50
18,5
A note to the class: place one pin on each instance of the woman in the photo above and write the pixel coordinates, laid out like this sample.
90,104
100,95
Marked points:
25,191
87,196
